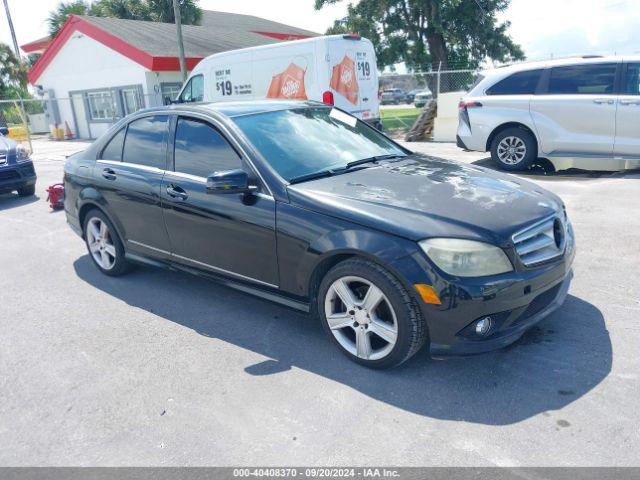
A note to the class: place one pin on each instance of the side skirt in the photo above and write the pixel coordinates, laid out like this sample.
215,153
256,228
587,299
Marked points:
228,282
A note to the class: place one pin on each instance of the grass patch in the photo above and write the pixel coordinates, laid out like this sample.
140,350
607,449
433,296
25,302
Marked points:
398,118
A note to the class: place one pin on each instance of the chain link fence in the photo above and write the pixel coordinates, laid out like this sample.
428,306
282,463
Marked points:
81,116
404,96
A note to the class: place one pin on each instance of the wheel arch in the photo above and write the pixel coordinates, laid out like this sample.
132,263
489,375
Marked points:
504,126
93,204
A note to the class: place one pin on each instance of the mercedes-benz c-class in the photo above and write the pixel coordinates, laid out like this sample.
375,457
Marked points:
303,204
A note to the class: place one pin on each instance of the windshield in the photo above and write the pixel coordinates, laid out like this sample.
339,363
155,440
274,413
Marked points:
304,141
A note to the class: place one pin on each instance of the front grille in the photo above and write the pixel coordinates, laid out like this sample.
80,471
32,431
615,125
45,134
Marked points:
9,175
541,242
541,302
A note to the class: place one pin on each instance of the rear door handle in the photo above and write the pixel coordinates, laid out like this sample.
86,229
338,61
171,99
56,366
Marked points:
109,174
601,101
629,102
176,192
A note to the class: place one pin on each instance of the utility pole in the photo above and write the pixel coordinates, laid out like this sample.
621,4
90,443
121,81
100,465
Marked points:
13,32
176,14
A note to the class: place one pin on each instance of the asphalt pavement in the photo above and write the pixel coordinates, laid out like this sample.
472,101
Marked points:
162,368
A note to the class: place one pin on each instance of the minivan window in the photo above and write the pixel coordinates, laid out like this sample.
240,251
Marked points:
593,79
304,141
521,83
201,150
145,141
194,91
632,79
113,149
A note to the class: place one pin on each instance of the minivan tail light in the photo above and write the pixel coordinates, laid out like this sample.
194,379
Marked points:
462,105
327,97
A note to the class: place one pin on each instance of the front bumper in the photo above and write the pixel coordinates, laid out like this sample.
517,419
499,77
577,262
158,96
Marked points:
515,301
17,175
513,323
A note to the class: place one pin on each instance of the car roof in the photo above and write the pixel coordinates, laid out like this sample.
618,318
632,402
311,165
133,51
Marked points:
235,109
585,60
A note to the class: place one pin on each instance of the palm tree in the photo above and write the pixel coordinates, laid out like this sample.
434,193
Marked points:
154,10
162,11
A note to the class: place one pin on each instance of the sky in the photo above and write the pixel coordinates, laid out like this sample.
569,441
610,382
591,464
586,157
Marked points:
544,28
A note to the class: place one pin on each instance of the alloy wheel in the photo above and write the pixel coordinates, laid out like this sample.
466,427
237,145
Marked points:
100,243
511,150
361,318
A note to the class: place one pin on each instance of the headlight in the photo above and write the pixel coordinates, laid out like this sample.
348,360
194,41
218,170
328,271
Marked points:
466,258
22,153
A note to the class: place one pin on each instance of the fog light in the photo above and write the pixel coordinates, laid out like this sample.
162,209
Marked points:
483,326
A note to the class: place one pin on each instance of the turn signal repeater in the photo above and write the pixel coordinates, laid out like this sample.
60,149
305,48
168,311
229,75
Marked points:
428,294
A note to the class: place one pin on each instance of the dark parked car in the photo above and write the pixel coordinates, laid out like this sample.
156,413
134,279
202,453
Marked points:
394,96
16,167
302,204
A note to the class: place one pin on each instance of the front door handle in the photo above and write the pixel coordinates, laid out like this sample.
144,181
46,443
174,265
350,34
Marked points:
176,192
109,174
629,102
601,101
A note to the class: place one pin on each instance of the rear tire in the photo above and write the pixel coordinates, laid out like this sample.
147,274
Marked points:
27,191
379,325
104,245
514,149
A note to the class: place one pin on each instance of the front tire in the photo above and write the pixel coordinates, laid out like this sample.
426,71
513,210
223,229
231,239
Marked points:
514,149
104,245
369,315
27,191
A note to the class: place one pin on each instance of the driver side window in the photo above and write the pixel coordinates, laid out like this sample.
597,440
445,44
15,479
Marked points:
194,91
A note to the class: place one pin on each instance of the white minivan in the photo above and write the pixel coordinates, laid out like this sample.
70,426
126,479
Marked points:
576,112
336,69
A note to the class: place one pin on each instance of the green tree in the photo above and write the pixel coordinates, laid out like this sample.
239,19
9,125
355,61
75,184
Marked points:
152,10
427,34
57,17
13,74
162,11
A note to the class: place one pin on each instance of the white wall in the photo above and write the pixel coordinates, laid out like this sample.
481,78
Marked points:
153,81
83,64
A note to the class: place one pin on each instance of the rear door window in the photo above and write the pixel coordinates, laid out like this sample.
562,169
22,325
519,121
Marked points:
596,79
200,149
631,83
113,149
145,142
521,83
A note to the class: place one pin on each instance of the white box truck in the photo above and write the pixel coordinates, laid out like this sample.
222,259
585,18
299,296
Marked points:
335,69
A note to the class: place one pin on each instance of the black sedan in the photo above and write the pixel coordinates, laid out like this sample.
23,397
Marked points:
303,204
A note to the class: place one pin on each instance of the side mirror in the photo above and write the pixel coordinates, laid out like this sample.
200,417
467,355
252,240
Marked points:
167,100
229,181
4,131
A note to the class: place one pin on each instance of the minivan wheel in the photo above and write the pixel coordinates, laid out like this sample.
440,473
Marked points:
514,149
104,245
369,315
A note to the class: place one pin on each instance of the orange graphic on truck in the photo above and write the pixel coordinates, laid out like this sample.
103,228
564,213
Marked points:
343,79
288,84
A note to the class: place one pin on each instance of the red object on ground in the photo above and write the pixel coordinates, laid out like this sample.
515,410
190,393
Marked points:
55,196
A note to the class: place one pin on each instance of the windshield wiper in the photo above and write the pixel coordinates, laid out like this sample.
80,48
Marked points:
311,176
373,159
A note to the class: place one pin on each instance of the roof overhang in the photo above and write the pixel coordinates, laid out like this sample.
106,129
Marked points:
76,24
37,46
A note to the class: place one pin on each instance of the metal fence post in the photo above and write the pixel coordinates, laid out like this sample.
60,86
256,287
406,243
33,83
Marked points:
25,122
438,80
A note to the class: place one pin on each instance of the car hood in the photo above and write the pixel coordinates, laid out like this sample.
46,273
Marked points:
420,197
